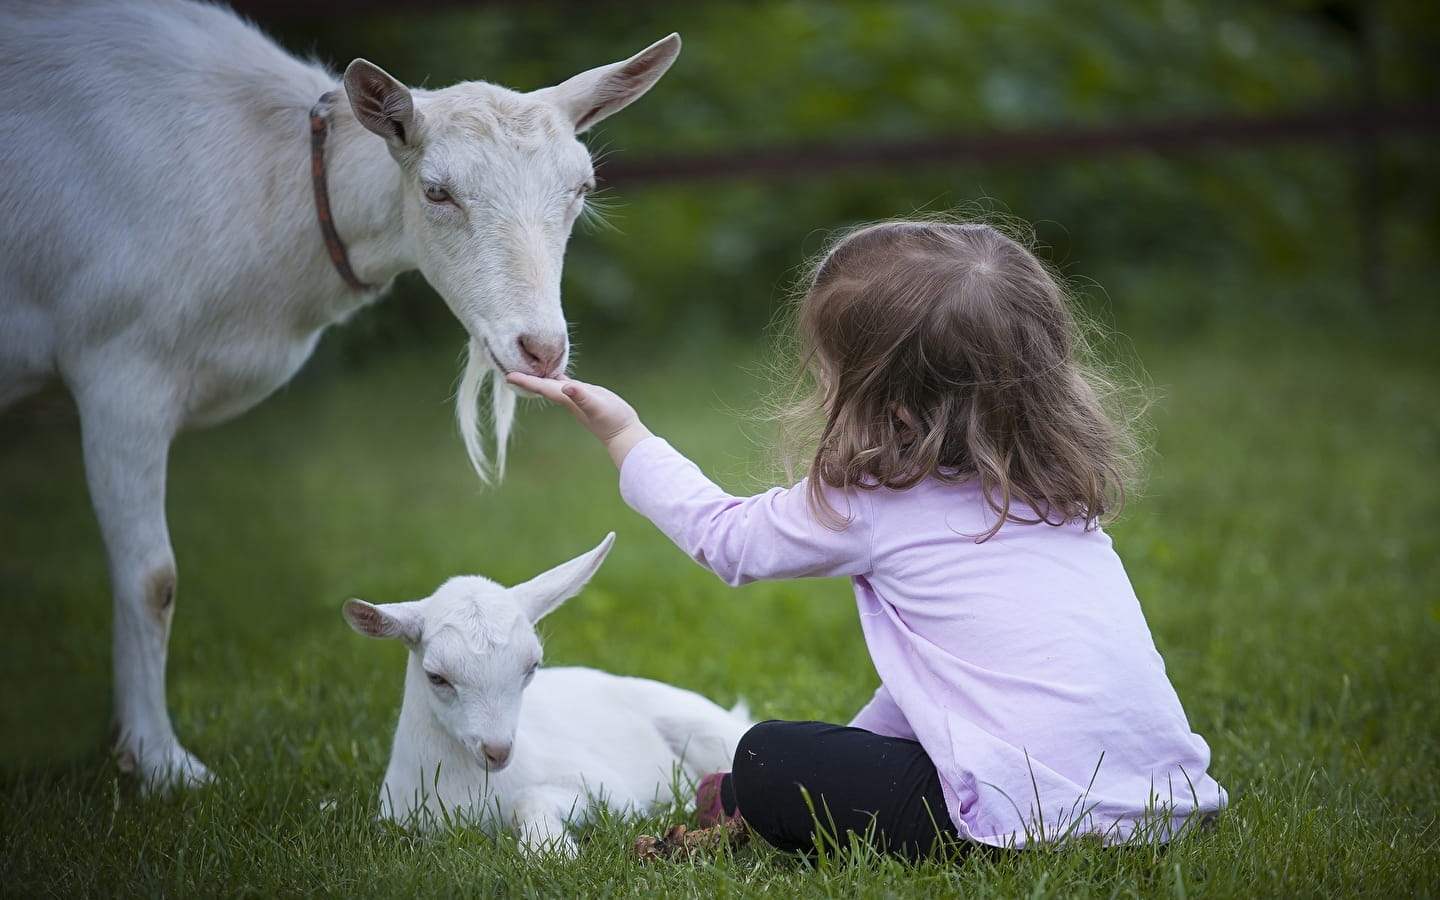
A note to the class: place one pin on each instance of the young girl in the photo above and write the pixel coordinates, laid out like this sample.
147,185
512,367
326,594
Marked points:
963,466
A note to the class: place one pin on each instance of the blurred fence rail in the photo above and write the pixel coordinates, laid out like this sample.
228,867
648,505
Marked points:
1029,146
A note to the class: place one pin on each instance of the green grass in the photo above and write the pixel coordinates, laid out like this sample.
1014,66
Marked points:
1285,549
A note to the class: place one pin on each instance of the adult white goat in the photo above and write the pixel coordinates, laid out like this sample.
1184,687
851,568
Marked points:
172,250
466,750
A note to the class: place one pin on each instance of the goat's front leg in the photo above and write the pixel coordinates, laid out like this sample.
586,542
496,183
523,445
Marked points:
539,815
126,433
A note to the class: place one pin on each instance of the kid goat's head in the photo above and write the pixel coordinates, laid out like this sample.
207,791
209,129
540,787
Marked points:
473,649
493,181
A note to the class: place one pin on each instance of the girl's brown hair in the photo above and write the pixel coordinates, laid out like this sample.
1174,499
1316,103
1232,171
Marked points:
950,351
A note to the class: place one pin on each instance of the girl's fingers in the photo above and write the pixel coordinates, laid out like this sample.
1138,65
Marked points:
568,393
545,387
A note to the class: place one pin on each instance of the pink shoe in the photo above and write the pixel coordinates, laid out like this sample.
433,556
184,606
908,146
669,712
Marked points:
709,810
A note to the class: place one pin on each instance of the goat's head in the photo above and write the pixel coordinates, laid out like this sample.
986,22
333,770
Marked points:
493,181
473,648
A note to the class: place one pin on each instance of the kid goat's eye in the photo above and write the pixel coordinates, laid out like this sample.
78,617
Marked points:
437,680
437,194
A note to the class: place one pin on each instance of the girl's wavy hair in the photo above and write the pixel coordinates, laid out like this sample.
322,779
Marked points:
949,351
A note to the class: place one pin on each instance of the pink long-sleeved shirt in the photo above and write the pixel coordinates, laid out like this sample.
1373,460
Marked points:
1023,664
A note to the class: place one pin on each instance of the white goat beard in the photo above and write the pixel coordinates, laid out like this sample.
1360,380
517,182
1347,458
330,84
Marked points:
502,413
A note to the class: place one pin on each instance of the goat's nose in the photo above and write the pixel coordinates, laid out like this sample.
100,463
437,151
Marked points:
496,754
542,355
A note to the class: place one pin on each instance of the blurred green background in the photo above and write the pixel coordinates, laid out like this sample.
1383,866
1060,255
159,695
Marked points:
1246,193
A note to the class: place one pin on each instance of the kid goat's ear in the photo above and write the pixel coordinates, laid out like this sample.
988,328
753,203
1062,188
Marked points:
380,103
389,620
591,96
539,596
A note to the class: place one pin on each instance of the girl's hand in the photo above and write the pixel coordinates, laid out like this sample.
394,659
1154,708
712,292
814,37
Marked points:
603,412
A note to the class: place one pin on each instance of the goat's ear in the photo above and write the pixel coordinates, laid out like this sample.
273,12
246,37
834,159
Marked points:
381,103
542,594
591,96
388,620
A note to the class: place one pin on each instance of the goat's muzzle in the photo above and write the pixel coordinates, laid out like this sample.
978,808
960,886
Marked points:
494,756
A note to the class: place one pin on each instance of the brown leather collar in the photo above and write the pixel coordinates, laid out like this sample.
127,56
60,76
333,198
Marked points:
319,126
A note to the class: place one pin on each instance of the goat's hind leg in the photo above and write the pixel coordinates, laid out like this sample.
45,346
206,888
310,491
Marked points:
126,447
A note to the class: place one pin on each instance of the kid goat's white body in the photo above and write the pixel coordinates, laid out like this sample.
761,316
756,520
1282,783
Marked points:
584,736
160,252
467,751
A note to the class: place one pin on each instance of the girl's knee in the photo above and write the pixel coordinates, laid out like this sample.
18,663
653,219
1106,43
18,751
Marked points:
761,735
768,747
751,751
772,761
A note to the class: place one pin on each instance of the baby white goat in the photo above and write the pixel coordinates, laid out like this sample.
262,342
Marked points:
465,750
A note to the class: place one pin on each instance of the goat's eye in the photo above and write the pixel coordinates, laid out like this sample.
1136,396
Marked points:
437,194
437,680
530,672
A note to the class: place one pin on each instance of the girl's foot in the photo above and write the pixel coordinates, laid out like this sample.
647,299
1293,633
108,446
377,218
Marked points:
709,805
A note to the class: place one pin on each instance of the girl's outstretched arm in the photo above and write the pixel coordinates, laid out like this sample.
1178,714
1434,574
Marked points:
603,412
741,539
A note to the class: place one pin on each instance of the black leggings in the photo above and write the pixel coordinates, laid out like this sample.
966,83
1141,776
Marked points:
883,790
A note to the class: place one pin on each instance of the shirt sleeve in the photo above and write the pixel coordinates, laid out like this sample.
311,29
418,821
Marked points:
743,539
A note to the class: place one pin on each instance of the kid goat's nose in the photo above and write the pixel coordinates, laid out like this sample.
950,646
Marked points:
542,355
496,755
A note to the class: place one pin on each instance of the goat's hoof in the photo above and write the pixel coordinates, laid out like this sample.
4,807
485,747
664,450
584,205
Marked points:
164,771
